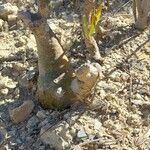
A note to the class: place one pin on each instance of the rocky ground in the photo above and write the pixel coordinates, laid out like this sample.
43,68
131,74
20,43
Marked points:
119,117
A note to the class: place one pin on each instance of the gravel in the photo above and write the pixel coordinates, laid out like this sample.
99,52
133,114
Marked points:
118,117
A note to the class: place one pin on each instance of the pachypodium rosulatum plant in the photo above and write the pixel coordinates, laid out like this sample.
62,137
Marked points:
58,84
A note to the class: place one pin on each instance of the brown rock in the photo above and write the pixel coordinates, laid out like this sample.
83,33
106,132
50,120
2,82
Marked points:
58,136
19,67
22,112
12,19
7,9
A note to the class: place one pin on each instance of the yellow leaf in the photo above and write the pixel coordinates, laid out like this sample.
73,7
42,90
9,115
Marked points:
89,24
98,13
95,18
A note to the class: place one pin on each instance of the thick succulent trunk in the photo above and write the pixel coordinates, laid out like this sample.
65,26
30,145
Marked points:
54,70
57,86
141,10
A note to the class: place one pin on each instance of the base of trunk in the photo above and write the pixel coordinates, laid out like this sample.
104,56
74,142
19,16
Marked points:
61,92
54,91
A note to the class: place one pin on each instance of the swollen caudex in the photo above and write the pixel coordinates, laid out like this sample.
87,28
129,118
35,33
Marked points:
86,78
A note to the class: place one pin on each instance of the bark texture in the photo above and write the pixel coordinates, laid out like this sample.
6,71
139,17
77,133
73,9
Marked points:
141,10
58,85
